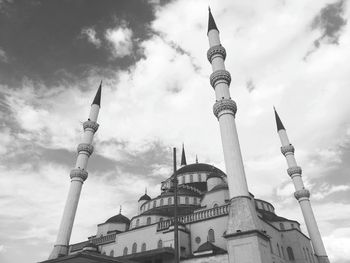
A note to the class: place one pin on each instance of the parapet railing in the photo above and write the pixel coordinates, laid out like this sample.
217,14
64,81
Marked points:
95,240
196,216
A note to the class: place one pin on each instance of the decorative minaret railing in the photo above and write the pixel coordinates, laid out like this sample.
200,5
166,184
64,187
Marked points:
78,175
246,242
301,193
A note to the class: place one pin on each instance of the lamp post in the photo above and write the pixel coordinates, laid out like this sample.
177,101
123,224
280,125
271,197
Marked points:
176,234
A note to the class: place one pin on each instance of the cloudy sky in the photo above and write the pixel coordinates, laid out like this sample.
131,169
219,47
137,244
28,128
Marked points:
151,56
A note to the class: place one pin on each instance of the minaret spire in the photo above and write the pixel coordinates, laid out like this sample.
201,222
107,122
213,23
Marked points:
78,175
183,156
211,22
244,227
301,193
278,121
97,99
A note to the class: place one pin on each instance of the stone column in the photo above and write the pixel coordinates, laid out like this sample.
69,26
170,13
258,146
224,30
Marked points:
78,175
301,193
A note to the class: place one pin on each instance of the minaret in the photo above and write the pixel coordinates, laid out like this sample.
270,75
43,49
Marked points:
183,156
246,241
78,175
301,193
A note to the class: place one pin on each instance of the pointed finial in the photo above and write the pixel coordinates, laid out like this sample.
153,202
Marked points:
211,22
278,121
183,156
120,209
145,190
97,99
196,158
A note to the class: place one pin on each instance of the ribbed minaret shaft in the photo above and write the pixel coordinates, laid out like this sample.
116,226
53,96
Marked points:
301,193
243,219
78,175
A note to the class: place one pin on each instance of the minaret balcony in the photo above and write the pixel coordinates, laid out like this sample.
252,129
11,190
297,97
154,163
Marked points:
85,148
293,171
90,126
287,149
78,173
224,106
303,193
216,51
220,76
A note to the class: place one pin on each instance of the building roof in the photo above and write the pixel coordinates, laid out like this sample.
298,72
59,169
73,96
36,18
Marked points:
87,257
209,247
145,197
200,167
119,218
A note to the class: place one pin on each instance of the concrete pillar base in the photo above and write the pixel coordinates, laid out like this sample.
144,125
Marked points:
242,216
323,259
59,251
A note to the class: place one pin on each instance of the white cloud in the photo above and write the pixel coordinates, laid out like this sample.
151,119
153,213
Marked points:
90,34
120,39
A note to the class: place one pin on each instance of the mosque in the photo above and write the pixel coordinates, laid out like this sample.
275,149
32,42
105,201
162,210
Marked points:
219,220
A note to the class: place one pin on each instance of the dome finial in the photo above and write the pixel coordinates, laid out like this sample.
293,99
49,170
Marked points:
120,209
196,158
211,22
278,121
145,190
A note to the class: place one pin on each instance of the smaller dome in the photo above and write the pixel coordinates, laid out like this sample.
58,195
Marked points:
145,197
219,187
118,219
213,175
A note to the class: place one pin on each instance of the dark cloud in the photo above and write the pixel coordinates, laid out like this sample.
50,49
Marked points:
43,39
330,22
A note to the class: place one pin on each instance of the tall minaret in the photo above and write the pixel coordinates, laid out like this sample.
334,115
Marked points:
301,193
246,242
78,175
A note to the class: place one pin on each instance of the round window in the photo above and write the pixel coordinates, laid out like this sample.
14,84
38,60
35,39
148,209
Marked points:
198,240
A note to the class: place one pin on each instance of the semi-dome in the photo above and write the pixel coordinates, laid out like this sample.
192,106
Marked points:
145,197
118,219
200,167
219,187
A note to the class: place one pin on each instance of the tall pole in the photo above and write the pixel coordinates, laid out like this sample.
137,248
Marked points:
301,193
176,233
78,175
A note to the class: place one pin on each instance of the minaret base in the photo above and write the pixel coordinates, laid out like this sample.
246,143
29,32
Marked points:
242,216
248,247
59,251
322,259
245,242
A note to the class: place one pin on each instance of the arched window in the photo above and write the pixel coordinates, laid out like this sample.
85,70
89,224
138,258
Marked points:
154,203
143,247
161,201
169,201
187,200
137,222
279,251
111,254
195,201
160,243
281,226
191,178
134,248
292,225
199,178
149,205
125,251
290,253
282,252
148,220
211,236
183,179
